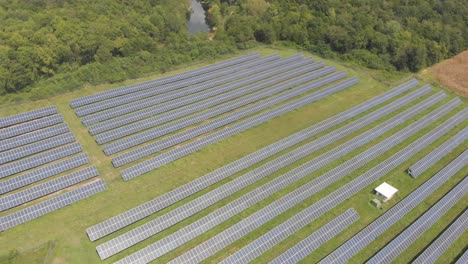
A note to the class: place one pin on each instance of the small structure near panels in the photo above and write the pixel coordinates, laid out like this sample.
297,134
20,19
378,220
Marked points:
385,191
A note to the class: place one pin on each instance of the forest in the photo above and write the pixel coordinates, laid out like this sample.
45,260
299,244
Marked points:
52,46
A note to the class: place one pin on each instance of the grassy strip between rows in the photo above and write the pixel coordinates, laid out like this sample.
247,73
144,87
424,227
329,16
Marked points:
29,242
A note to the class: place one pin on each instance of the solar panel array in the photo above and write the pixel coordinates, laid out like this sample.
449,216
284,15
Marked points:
39,144
150,207
429,160
194,206
318,238
423,223
463,259
148,84
445,240
367,235
248,224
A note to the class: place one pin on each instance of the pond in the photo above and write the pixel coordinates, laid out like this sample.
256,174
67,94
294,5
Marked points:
197,21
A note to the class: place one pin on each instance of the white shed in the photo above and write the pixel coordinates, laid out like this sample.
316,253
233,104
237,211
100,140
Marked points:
385,191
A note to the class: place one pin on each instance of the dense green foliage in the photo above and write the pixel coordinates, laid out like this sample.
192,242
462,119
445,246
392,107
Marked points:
381,34
63,44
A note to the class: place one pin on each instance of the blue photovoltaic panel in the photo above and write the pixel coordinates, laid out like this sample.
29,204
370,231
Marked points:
40,146
318,238
406,238
463,259
150,207
161,81
226,132
40,190
429,160
255,220
43,173
50,205
177,90
368,234
444,241
194,206
32,137
23,128
39,159
27,116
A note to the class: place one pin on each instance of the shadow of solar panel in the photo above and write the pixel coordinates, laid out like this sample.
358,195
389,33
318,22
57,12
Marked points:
50,205
423,223
36,147
445,240
429,160
43,173
28,116
368,234
151,228
32,137
23,128
161,81
40,190
185,87
255,220
318,238
39,159
97,231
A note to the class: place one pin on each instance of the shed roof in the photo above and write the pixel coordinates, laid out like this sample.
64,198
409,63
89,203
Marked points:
386,189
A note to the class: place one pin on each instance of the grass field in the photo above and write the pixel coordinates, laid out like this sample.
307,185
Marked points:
30,242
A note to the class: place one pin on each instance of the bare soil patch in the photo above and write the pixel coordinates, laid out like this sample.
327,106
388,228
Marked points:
453,73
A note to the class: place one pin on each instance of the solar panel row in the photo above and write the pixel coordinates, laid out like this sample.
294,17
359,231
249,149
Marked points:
174,90
446,239
257,195
50,205
463,259
429,160
186,101
43,189
240,229
367,235
226,132
318,238
46,144
27,116
150,207
23,128
198,117
220,84
404,240
39,159
161,81
32,137
43,173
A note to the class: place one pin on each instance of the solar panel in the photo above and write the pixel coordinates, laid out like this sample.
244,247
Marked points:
156,225
175,89
40,190
445,240
318,238
254,92
43,173
367,235
36,147
106,227
255,220
38,160
226,132
423,223
50,205
187,100
224,84
429,160
463,259
23,128
148,84
27,116
32,137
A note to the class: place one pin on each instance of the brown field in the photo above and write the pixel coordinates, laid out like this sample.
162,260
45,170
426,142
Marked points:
453,73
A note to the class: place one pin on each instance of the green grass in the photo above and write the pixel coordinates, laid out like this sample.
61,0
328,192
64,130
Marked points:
67,226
